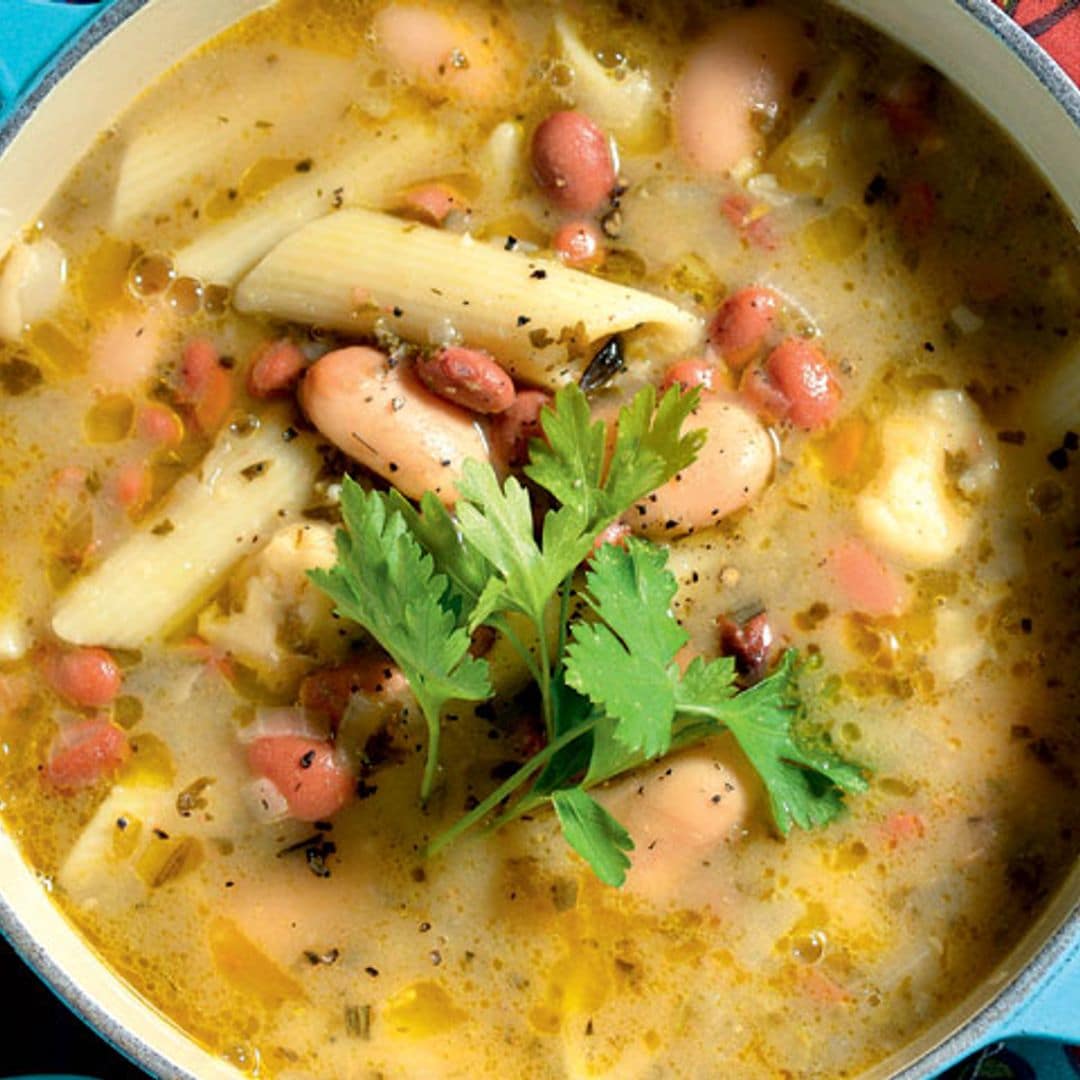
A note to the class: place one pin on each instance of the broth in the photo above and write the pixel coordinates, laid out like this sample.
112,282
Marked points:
912,536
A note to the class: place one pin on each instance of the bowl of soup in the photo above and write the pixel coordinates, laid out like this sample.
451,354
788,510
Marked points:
541,538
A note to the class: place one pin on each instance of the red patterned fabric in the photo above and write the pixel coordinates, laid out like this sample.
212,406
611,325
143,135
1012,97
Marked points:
1055,25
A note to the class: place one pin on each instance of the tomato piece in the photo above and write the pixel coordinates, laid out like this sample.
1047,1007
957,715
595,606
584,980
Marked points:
310,776
86,752
86,676
800,371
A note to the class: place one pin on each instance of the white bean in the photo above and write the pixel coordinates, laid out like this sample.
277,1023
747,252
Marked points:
733,467
387,420
679,811
746,69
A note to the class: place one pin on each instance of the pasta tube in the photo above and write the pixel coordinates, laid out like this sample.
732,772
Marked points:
369,175
207,144
349,270
212,518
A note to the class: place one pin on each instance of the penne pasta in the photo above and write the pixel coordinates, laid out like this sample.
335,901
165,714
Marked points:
209,143
352,270
212,518
371,174
620,105
94,870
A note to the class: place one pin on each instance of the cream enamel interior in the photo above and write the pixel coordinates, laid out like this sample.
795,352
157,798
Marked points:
62,129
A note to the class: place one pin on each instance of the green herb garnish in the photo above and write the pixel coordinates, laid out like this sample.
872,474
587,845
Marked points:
420,581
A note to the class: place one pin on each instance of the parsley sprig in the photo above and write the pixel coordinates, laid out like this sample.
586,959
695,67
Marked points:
420,581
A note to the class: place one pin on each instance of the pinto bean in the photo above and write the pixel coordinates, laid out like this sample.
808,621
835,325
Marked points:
309,775
328,690
512,429
731,470
158,424
799,370
86,752
579,244
572,162
386,419
84,676
740,327
275,370
746,70
687,374
471,378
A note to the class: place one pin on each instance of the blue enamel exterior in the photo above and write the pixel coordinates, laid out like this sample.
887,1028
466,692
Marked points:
40,39
32,34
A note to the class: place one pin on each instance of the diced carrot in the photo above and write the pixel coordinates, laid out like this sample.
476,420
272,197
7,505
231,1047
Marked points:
70,481
761,234
432,202
908,106
752,222
868,583
901,827
86,752
203,652
276,369
844,451
314,781
822,988
86,676
916,210
799,369
205,385
736,209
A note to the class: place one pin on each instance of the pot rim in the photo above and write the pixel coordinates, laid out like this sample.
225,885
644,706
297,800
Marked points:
972,1032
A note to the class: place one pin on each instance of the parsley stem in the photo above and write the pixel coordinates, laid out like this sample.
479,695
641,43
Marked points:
434,725
544,680
503,626
507,787
564,617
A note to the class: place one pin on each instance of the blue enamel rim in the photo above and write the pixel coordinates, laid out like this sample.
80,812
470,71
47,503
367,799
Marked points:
989,1023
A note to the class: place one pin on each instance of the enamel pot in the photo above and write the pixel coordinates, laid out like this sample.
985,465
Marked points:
66,70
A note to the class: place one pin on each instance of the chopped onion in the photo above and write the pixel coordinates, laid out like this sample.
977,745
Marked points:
270,722
265,801
965,320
